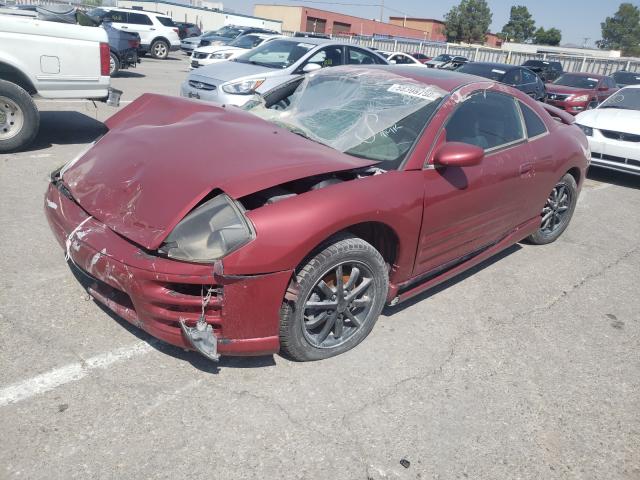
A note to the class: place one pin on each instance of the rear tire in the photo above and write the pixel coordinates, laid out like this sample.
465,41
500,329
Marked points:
342,290
557,211
159,49
114,65
19,117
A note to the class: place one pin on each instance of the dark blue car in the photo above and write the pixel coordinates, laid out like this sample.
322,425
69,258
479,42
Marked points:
123,47
516,76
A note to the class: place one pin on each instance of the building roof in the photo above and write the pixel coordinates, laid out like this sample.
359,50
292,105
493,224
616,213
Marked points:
417,19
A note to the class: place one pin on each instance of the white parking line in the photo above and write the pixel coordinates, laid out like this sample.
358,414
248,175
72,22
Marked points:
69,373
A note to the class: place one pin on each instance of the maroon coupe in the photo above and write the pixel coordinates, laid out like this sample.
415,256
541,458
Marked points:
287,226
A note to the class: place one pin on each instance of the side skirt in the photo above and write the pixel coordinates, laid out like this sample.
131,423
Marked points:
406,290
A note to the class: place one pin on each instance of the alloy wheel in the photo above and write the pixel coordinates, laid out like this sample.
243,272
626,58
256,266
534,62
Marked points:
338,305
160,50
11,118
555,211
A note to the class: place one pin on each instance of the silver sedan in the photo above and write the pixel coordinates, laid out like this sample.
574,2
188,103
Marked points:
270,65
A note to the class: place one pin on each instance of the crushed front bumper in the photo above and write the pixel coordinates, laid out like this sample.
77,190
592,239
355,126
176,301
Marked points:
156,294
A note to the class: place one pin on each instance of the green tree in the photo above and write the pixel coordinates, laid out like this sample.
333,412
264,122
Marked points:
622,31
520,27
468,22
547,37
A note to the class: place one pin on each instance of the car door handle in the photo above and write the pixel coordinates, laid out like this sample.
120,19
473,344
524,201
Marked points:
152,28
124,27
526,169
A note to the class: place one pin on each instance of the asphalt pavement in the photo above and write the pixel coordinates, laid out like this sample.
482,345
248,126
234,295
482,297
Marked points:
527,367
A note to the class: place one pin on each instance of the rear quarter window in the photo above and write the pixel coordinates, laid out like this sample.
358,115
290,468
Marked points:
167,22
534,125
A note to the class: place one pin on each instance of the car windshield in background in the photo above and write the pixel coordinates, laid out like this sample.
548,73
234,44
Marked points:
227,32
627,78
246,41
576,81
626,99
442,58
166,21
487,71
276,54
366,113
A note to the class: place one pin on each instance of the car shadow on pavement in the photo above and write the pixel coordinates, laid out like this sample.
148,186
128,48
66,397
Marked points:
65,128
390,311
613,177
195,359
129,74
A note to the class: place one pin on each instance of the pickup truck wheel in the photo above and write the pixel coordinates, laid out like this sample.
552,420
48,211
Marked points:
159,49
19,117
114,64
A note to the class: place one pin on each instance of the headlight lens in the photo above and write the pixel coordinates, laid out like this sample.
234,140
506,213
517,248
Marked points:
588,131
221,55
243,87
211,231
579,98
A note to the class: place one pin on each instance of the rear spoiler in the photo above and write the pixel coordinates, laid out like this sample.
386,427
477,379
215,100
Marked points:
558,114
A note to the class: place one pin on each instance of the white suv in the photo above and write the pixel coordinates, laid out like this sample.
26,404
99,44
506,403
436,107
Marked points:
158,33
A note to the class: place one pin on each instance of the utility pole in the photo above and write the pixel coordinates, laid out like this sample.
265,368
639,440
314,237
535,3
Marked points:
381,10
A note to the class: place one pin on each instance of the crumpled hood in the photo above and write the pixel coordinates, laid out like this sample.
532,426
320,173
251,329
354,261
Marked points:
553,88
615,119
163,155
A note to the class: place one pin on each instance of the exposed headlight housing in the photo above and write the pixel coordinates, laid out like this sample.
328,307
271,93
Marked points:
243,87
222,56
578,98
211,231
588,131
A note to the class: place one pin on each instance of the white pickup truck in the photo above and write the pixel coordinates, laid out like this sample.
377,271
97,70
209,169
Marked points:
48,60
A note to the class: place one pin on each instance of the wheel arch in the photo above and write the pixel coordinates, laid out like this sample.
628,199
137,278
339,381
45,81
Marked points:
575,173
12,74
164,39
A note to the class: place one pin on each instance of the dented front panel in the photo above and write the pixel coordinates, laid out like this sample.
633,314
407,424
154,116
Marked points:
154,293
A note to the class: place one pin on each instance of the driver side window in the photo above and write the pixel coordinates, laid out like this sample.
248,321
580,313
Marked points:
327,57
488,120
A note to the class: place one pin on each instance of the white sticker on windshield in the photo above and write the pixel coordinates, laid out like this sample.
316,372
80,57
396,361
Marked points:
306,45
415,91
592,79
495,70
637,78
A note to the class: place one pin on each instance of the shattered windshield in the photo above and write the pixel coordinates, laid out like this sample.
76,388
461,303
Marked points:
368,113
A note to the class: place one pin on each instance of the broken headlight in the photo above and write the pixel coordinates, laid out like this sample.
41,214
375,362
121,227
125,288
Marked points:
211,231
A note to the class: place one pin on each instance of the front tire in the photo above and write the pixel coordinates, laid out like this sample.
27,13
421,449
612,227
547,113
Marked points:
557,211
19,117
160,49
342,291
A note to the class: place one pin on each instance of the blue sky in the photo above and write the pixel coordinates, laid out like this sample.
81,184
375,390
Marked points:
576,19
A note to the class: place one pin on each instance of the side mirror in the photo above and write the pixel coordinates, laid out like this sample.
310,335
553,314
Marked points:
458,154
311,67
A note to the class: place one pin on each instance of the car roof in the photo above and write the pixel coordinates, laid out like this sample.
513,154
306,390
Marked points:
310,40
134,10
631,86
586,74
446,79
502,66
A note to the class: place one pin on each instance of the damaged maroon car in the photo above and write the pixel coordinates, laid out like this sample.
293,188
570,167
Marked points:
289,225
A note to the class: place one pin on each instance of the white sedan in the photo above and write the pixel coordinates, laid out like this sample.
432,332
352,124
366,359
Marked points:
218,53
613,130
405,59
